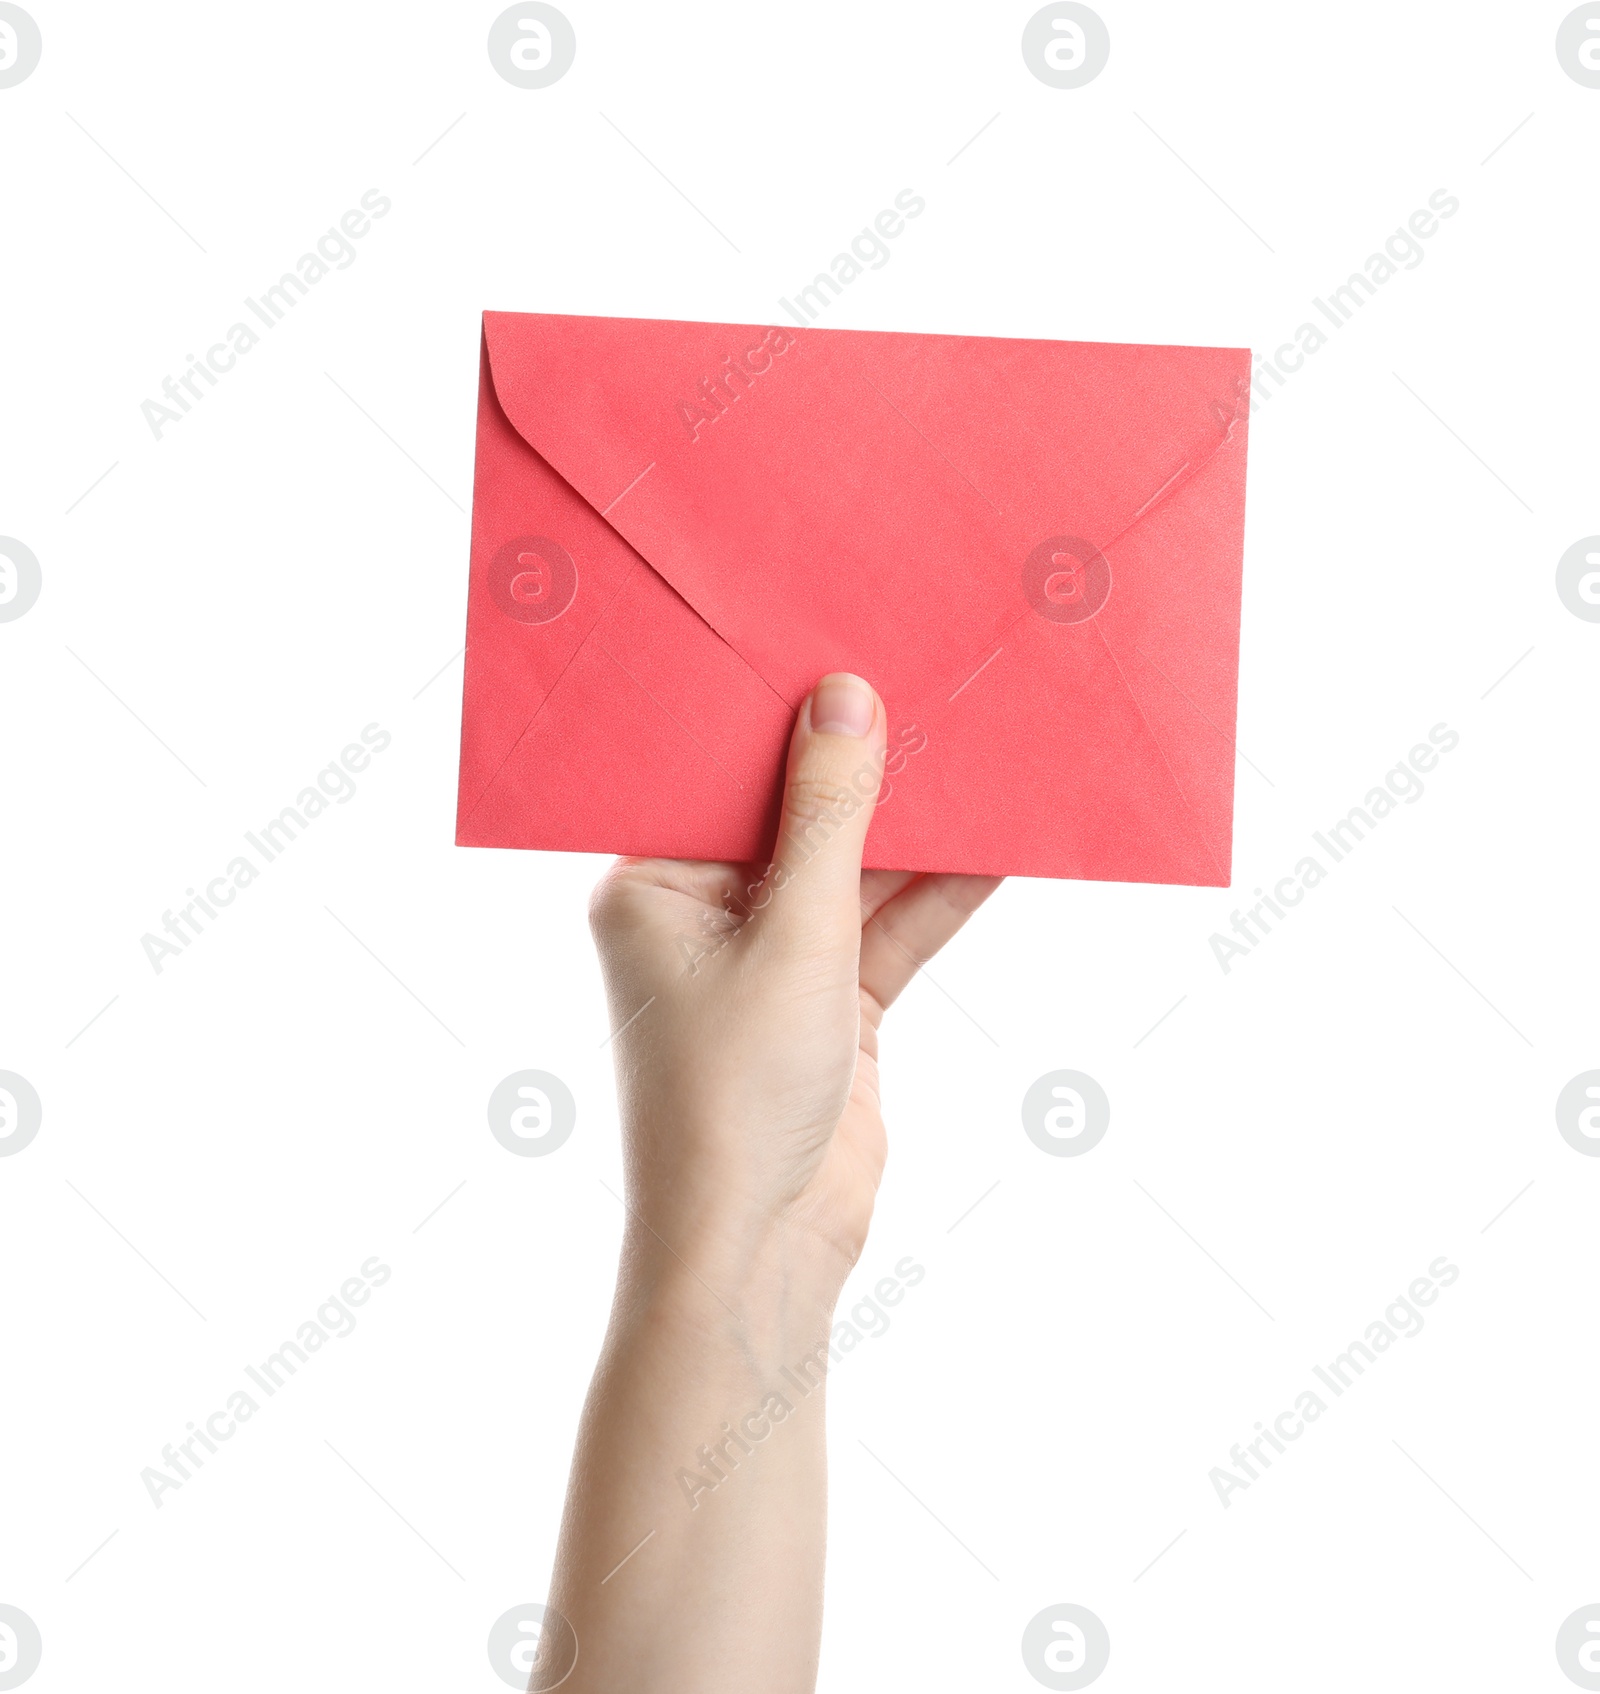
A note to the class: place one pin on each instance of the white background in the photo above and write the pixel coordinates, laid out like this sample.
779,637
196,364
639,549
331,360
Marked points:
229,606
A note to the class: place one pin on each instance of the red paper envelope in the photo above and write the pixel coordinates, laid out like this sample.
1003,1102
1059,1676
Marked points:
1030,548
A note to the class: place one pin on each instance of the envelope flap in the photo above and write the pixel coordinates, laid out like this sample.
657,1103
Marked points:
870,501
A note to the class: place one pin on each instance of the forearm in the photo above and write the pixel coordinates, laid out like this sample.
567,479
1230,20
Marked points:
691,1551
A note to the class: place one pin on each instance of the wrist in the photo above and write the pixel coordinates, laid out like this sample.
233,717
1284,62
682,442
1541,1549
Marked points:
763,1287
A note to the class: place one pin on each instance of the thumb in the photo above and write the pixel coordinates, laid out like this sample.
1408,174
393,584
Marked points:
813,891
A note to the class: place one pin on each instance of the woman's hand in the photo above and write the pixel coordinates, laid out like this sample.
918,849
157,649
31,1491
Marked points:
748,1000
746,1003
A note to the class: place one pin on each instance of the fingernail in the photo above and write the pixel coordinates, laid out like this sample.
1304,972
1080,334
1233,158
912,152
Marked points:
842,705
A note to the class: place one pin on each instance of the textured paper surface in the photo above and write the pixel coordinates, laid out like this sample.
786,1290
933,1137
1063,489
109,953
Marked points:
1031,549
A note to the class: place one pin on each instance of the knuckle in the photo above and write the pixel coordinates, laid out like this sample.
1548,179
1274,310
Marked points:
608,904
815,800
